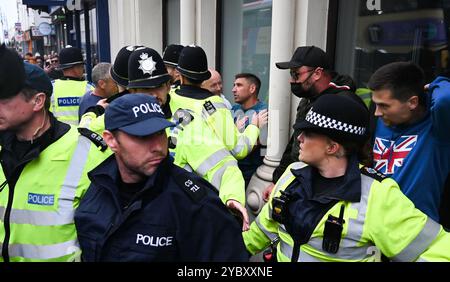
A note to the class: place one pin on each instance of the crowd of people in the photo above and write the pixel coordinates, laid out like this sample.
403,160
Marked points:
150,162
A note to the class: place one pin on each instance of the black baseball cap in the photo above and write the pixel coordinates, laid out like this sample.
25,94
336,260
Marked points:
37,79
310,56
136,114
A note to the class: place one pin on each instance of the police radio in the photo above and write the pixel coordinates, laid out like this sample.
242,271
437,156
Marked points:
279,207
333,232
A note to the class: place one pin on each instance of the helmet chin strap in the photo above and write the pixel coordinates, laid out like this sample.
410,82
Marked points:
39,128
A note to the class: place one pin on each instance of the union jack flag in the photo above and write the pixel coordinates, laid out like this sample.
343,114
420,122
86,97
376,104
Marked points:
388,154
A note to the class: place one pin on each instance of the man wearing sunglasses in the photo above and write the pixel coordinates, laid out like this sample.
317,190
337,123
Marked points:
311,77
51,68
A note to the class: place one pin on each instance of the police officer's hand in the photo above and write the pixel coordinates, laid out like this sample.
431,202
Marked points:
260,119
237,207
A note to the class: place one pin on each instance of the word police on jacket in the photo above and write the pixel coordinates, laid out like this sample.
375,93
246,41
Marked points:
153,241
147,108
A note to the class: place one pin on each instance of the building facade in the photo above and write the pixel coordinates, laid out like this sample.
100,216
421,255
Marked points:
251,35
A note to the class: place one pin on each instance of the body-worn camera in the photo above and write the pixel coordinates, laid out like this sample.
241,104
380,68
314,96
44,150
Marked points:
279,207
332,232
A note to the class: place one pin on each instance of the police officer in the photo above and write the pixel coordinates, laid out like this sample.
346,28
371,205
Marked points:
192,143
141,207
335,209
170,57
44,166
68,90
93,118
193,67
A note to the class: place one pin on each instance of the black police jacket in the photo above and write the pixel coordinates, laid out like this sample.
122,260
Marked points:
176,217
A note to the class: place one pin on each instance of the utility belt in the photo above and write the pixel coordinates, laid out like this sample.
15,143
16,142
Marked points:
332,233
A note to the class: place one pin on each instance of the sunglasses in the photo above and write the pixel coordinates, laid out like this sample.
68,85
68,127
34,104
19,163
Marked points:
295,75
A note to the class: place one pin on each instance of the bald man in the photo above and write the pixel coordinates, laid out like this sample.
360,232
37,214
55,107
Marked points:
214,85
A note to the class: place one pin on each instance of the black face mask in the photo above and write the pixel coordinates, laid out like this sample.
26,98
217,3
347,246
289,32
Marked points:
297,90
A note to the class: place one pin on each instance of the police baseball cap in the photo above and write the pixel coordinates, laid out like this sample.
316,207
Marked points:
310,56
193,63
69,57
172,54
146,69
12,73
337,116
37,79
136,114
119,70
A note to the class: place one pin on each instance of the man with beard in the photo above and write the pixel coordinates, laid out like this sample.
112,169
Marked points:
311,77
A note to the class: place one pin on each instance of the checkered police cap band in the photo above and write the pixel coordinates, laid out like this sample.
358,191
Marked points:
327,122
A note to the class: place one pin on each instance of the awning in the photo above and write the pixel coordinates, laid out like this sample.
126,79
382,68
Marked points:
43,5
44,2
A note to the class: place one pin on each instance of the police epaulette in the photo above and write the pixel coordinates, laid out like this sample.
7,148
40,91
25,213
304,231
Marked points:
93,137
192,187
209,107
375,174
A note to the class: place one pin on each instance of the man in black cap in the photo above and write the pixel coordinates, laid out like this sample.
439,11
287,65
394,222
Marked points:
311,77
43,168
159,211
193,143
193,67
68,90
170,57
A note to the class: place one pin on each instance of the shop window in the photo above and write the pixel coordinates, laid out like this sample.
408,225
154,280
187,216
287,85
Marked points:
172,22
245,37
369,37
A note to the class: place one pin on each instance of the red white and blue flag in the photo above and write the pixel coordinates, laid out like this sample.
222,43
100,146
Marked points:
390,154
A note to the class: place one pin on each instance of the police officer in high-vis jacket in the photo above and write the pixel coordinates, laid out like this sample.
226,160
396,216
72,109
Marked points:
44,165
193,67
142,207
68,90
333,208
